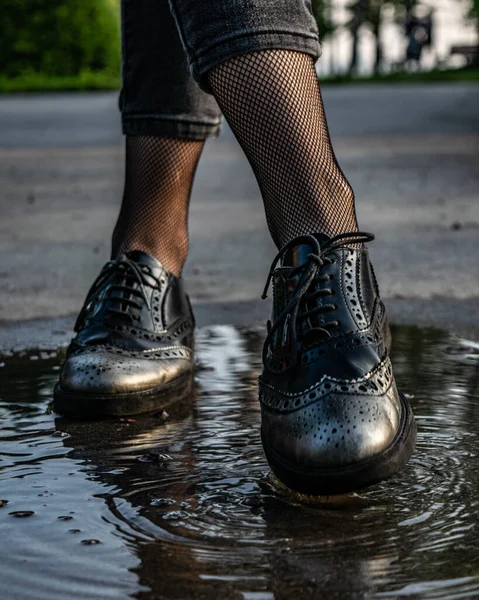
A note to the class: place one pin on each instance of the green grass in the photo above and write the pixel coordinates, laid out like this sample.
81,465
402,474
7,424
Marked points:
106,81
468,74
34,82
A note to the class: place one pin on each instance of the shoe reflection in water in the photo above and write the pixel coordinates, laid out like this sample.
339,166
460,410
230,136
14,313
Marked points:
212,522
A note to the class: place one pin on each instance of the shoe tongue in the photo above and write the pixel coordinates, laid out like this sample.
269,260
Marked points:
298,255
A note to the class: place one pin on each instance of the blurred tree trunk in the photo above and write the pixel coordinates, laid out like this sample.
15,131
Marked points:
353,65
378,56
475,15
376,27
359,11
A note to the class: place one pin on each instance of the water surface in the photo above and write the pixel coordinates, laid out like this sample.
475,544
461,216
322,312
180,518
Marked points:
183,506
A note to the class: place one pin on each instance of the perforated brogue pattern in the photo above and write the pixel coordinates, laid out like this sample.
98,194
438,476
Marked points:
95,365
335,424
375,383
165,352
350,287
156,310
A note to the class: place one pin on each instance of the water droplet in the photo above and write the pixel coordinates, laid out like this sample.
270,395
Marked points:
90,542
22,513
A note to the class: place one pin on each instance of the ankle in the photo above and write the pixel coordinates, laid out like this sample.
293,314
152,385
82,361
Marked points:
171,253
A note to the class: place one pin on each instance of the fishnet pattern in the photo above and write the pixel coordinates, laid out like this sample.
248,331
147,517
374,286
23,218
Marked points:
272,101
159,175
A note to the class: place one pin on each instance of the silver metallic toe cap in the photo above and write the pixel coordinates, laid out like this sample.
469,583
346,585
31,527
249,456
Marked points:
107,373
333,427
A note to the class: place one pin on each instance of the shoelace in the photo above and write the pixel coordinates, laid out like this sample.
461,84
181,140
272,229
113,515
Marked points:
129,295
291,316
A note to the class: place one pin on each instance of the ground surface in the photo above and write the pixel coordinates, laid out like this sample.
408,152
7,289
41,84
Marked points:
411,152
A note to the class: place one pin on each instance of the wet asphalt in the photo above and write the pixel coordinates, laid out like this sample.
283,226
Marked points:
410,151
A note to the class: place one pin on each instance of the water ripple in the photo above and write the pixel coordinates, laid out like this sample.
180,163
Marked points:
187,508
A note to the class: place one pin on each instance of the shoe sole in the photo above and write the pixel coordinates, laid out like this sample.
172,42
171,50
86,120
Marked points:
350,478
121,405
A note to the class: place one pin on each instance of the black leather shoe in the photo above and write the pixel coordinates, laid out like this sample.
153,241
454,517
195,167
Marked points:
333,420
133,352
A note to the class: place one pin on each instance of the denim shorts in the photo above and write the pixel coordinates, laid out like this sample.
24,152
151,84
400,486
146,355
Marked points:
169,46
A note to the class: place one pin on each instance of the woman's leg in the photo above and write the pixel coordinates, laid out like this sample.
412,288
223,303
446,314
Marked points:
261,72
332,418
133,351
166,118
272,101
154,212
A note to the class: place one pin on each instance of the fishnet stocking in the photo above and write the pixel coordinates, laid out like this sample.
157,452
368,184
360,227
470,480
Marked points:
272,101
154,214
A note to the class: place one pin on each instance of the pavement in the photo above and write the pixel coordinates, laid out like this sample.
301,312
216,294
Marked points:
410,151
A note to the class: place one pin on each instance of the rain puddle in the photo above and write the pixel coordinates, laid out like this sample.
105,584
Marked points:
183,506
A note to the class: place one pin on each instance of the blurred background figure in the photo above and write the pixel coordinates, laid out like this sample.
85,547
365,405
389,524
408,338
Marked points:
76,45
419,34
365,37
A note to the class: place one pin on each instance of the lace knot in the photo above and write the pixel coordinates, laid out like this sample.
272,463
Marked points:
128,295
307,273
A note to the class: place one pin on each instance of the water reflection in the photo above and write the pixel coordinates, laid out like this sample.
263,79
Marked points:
185,507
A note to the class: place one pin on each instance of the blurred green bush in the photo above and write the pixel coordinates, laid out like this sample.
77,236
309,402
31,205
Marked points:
59,37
